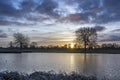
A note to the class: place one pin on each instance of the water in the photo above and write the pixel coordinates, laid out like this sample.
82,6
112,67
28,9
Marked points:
96,64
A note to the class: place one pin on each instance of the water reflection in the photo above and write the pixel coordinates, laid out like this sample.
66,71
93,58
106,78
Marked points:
90,64
96,64
86,64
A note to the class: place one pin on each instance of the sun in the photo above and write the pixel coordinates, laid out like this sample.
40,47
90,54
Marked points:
72,45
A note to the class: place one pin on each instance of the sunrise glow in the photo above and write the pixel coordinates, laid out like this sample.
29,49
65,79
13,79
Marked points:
56,24
72,45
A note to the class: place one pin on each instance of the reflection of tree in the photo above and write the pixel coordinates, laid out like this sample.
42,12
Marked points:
90,64
86,64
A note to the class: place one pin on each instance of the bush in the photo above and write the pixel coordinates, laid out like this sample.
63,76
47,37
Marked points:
44,76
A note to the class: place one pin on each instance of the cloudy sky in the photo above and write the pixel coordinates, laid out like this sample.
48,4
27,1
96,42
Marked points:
54,21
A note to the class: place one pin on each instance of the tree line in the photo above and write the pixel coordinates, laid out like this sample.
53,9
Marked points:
22,41
86,37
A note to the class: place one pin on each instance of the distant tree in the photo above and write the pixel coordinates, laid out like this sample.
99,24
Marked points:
65,46
86,36
11,45
77,46
69,46
110,46
20,40
33,45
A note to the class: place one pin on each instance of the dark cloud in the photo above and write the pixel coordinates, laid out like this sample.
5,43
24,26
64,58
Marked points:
34,30
105,10
89,4
2,34
8,23
99,28
109,37
7,9
71,17
112,5
26,7
95,11
112,38
116,30
78,17
47,7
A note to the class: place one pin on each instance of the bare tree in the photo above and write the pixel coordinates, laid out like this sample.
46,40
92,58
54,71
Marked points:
11,44
33,45
86,36
21,40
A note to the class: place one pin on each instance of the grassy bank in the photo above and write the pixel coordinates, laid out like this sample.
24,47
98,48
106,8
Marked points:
45,76
61,50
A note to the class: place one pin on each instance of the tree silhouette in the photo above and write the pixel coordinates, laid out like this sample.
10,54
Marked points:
86,36
21,40
11,44
33,45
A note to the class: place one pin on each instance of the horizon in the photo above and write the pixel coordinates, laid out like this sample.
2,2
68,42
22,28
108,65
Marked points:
52,22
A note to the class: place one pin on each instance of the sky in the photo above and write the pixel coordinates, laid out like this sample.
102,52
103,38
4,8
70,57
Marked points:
54,22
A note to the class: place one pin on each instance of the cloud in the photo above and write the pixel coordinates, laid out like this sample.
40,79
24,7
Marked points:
27,9
71,18
110,4
87,11
116,30
59,14
102,11
109,37
2,34
8,23
112,38
99,28
79,18
47,7
7,8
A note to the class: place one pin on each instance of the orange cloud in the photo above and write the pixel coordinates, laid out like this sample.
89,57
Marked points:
96,9
74,17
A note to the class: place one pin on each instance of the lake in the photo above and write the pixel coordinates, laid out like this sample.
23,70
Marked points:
94,64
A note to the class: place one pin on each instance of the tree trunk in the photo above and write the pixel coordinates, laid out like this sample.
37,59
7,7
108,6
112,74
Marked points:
85,47
21,45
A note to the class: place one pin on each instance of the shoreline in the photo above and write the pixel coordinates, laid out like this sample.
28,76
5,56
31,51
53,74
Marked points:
81,51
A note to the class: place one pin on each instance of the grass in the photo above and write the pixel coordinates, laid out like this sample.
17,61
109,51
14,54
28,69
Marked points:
59,50
45,76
